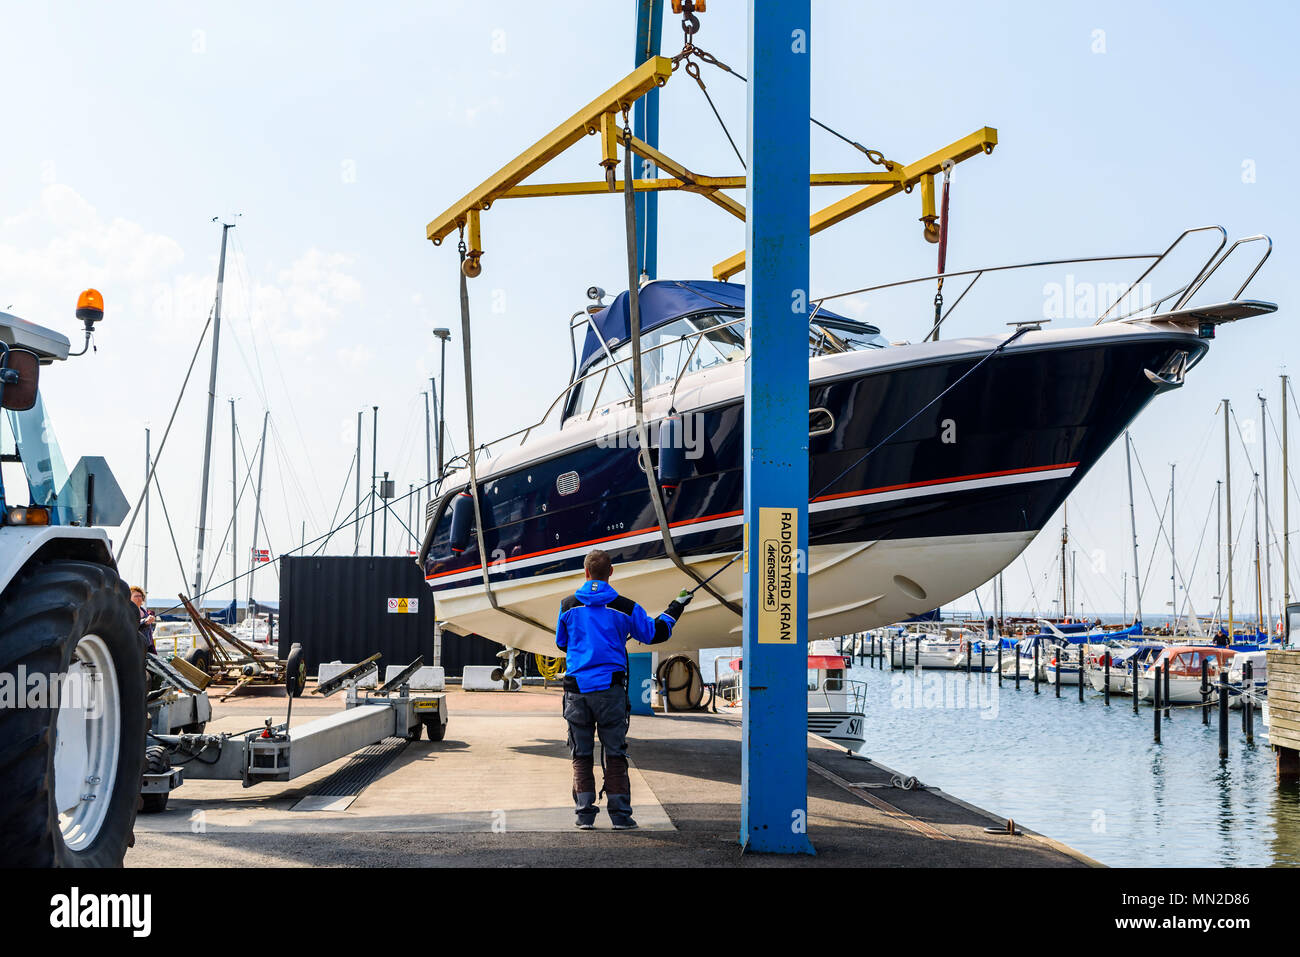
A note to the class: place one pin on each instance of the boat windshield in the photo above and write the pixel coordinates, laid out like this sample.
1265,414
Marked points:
693,344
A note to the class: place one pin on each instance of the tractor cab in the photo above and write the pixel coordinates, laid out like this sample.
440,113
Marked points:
36,486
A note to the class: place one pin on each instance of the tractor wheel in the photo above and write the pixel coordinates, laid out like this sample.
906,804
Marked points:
155,762
71,756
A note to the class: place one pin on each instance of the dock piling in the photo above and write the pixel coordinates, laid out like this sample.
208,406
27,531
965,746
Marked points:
1106,674
1060,662
1081,658
1000,665
1223,714
1248,700
1205,691
1166,694
1155,702
1036,647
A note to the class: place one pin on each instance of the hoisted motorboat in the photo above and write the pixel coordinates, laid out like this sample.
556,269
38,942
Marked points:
902,518
929,469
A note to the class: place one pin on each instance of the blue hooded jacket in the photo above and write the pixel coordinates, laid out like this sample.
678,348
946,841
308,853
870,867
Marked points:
594,627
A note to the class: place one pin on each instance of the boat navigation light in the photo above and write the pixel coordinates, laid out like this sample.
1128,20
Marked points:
595,293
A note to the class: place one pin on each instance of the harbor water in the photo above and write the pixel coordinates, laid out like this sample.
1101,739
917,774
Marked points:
1086,774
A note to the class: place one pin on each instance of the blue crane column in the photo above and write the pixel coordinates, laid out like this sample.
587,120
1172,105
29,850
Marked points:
774,743
645,124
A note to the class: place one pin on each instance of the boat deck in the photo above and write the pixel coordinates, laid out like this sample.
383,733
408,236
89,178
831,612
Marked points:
496,793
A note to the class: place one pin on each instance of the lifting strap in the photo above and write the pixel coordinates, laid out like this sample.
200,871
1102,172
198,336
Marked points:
634,321
943,253
471,457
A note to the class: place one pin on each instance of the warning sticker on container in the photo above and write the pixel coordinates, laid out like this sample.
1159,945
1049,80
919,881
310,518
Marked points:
778,583
403,606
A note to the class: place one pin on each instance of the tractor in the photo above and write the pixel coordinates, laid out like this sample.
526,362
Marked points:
72,667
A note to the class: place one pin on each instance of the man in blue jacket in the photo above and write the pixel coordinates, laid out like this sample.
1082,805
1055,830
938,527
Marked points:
595,625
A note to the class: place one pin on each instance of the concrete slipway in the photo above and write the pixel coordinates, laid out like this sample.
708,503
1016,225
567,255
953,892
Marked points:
495,793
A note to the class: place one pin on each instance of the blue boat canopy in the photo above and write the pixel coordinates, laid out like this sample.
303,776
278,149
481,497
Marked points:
666,300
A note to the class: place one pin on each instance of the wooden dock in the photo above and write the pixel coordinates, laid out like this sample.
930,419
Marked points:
1284,711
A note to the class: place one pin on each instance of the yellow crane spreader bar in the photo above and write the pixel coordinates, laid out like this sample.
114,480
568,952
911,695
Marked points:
981,141
654,72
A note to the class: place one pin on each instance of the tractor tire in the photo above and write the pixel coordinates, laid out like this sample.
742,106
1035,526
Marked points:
155,762
62,620
200,658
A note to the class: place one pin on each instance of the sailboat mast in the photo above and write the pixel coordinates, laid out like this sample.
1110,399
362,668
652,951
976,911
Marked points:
1218,552
212,398
1173,557
356,543
257,510
1259,594
1065,538
1132,519
234,520
1286,520
1227,487
148,468
1268,558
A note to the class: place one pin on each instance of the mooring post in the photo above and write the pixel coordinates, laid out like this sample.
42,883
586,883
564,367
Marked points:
1205,691
1248,700
892,654
1081,657
1136,680
1106,675
774,735
1000,663
916,665
1166,695
968,654
1037,644
1155,701
983,666
1223,714
1060,665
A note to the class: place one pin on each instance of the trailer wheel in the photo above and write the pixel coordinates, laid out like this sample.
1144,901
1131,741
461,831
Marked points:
436,729
415,732
155,762
200,658
71,763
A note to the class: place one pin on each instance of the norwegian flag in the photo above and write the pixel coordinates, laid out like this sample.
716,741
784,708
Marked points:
261,554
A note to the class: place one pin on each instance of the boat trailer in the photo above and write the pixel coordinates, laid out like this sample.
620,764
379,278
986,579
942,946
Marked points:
275,753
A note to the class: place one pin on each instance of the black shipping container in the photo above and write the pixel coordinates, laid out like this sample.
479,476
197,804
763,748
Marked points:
346,609
461,650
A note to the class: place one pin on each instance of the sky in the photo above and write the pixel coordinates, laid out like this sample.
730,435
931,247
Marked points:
330,134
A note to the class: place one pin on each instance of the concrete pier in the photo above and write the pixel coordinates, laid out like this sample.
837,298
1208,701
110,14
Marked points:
496,793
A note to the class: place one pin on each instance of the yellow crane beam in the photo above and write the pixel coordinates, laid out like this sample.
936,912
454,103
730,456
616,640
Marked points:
654,72
981,141
600,116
